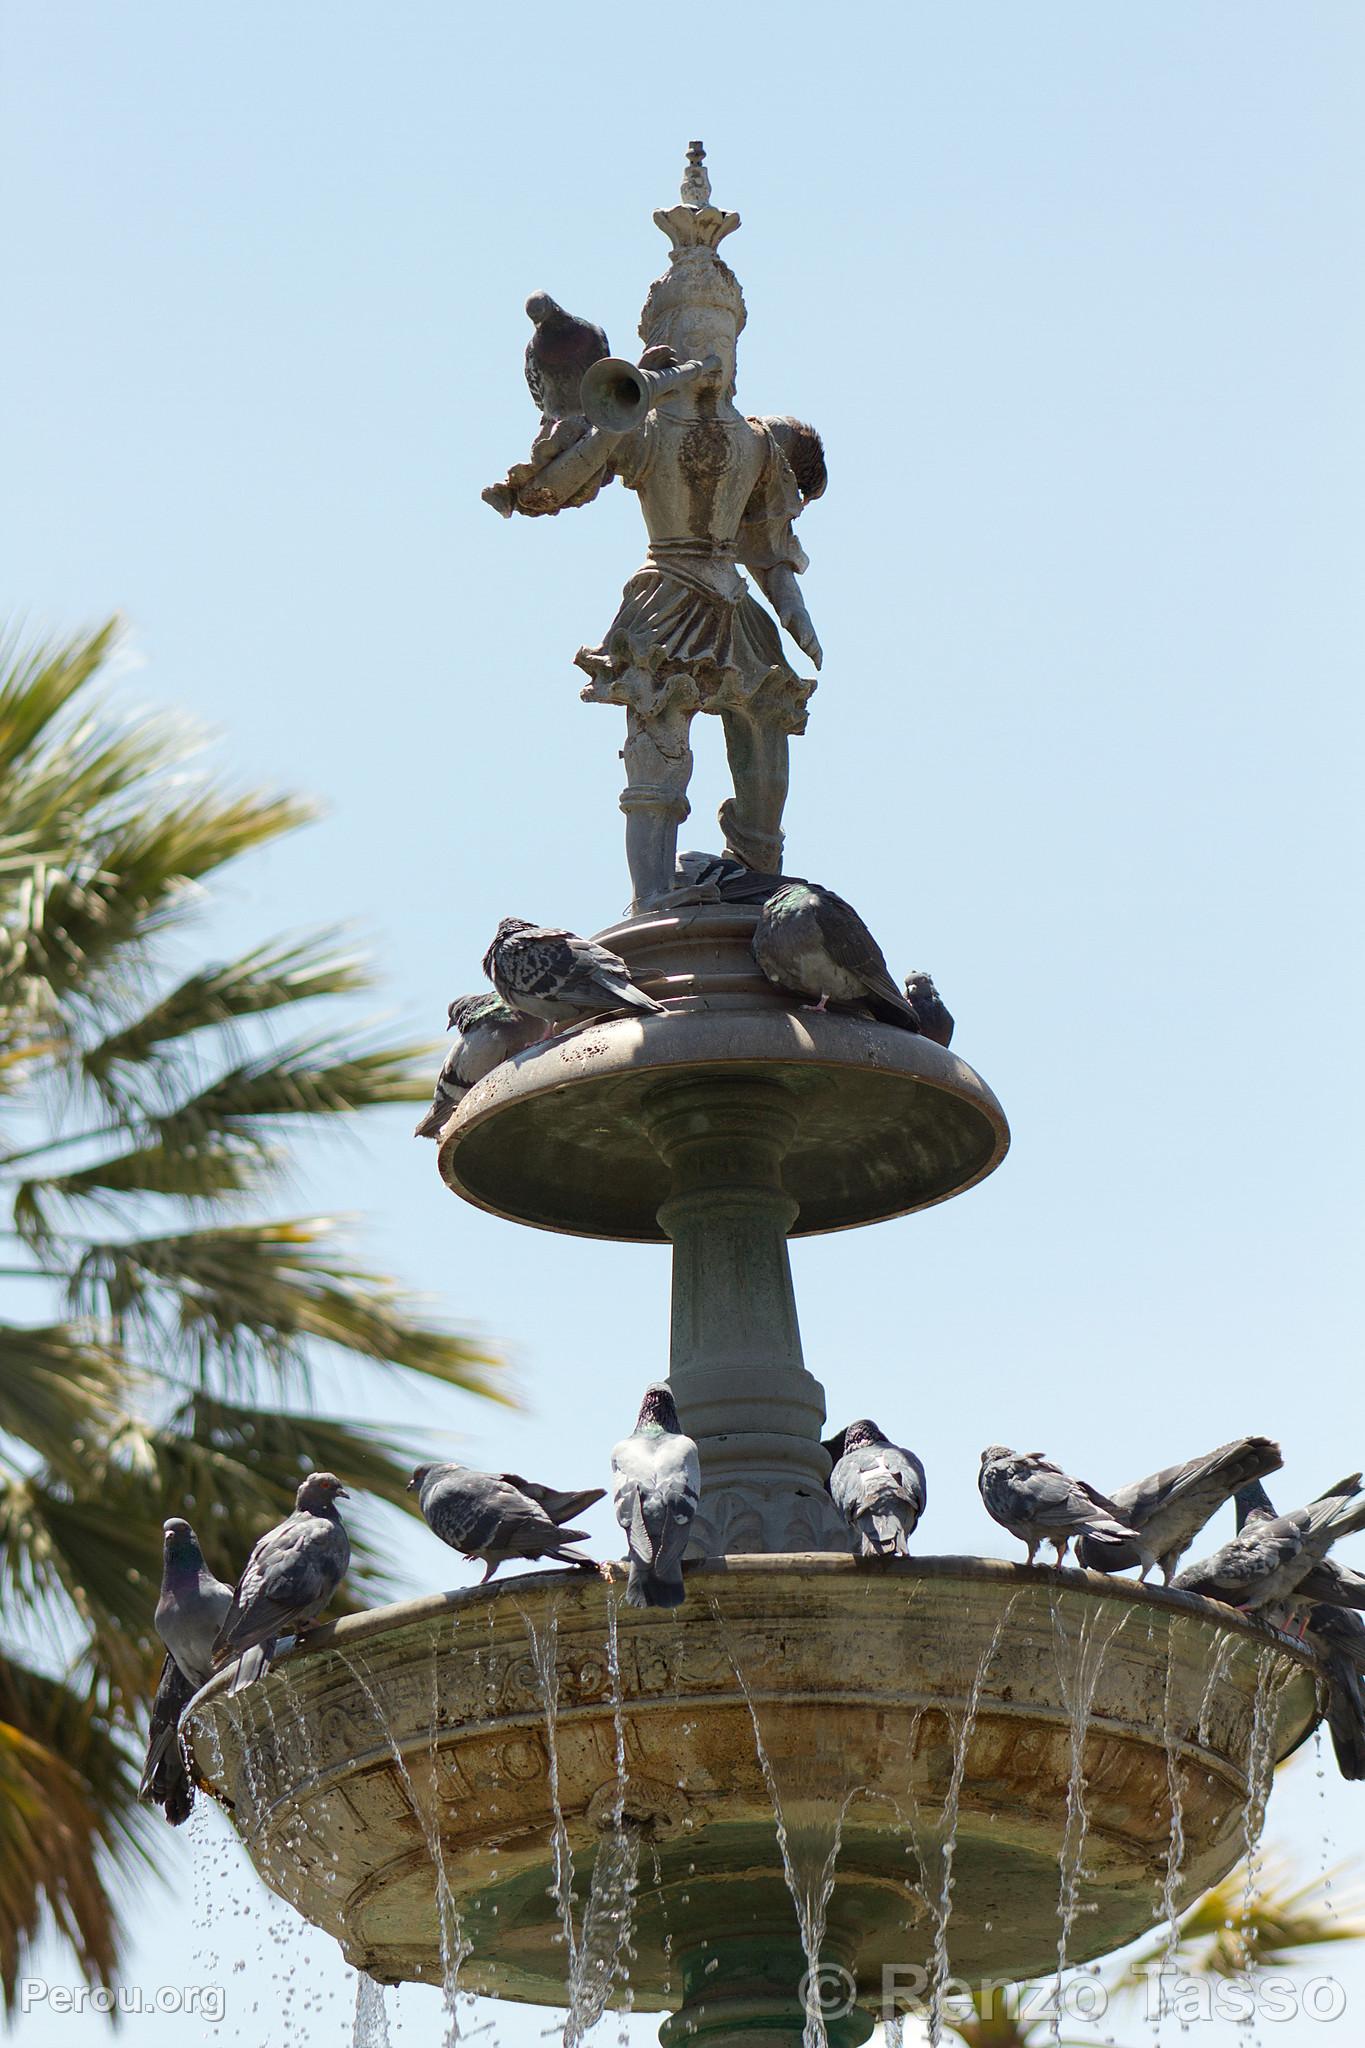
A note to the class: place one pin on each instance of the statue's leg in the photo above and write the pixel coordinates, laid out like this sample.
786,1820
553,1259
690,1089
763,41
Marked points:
658,758
756,747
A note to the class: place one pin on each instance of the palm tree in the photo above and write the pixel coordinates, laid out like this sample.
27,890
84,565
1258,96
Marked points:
174,1324
1221,1936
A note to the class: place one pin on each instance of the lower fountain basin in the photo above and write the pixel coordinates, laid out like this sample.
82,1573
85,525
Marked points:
857,1677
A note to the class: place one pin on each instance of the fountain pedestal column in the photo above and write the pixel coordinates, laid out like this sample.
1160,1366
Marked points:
736,1365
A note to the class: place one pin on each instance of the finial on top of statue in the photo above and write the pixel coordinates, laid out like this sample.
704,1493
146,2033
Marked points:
695,224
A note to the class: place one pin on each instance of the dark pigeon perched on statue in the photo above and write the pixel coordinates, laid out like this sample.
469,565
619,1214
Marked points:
1268,1560
188,1616
290,1576
562,348
717,878
487,1032
879,1490
656,1487
546,971
935,1018
1039,1503
499,1516
813,944
1170,1508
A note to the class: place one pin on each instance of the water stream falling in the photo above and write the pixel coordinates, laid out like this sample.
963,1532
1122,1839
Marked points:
1175,1841
604,1944
542,1642
808,1864
454,1947
941,1902
371,2014
1079,1658
1273,1671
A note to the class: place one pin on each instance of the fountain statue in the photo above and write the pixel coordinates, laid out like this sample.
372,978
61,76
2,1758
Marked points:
802,1799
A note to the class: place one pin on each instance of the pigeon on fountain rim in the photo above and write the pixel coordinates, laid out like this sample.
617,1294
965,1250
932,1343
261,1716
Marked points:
550,972
656,1489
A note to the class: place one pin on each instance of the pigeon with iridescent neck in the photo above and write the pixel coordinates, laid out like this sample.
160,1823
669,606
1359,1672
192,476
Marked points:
656,1488
548,972
289,1578
879,1490
813,944
1267,1562
1039,1503
487,1032
561,351
1170,1508
498,1516
188,1616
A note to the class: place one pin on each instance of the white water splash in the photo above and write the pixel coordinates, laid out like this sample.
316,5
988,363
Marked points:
371,2014
1175,1841
604,1947
941,1902
1079,1659
1273,1672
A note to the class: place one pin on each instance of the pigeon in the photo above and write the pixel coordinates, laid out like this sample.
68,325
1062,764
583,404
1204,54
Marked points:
562,348
1039,1503
804,451
811,943
1339,1639
1170,1508
188,1616
487,1032
935,1018
290,1576
656,1485
717,878
545,971
879,1490
499,1515
1271,1556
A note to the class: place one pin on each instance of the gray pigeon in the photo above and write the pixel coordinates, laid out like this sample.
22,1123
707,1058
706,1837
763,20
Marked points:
656,1485
487,1032
811,943
497,1516
879,1490
1268,1560
562,348
290,1576
546,971
717,878
188,1616
1170,1508
935,1018
1039,1503
1339,1639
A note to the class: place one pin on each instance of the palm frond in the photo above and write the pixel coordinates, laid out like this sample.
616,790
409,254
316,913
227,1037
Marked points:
67,1809
247,1299
1226,1929
60,1392
39,682
74,1565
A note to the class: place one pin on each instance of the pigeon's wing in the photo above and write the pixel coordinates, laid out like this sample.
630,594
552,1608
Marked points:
534,383
1334,1583
1195,1490
656,1492
289,1577
875,1473
1048,1497
849,942
478,1512
560,1507
1236,1571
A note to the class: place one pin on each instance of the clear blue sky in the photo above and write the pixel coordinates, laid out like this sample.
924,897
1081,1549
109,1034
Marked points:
1075,295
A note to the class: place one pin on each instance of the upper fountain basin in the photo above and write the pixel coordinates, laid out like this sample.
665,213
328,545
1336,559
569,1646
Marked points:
564,1135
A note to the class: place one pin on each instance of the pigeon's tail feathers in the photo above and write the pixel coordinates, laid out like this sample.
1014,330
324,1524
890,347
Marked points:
885,1531
573,1557
563,1536
1347,1516
1104,1530
1346,1717
252,1664
886,1001
636,999
437,1117
560,1506
647,1588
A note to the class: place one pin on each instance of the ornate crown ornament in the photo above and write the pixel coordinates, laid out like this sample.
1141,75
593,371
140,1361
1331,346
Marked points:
695,224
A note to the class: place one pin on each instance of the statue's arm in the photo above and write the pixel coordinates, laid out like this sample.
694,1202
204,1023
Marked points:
778,584
768,547
568,466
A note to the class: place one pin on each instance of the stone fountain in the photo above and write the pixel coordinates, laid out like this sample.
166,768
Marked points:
817,1759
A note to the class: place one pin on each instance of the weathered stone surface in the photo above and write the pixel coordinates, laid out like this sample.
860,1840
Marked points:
857,1678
